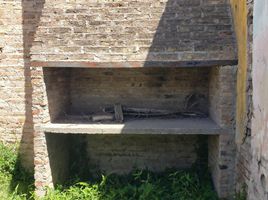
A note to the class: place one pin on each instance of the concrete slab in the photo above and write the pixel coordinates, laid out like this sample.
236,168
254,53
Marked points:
200,126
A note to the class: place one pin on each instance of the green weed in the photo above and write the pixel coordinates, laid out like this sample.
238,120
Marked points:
242,194
17,184
139,185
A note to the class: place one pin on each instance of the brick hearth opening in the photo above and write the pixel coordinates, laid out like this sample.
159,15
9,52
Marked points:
75,94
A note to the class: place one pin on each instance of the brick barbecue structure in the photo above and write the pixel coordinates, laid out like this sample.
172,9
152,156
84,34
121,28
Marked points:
173,63
147,55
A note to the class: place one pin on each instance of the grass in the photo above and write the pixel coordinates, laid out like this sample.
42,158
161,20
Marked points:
242,194
16,184
139,185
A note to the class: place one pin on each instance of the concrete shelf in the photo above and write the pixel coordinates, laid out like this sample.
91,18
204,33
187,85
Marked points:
185,126
134,64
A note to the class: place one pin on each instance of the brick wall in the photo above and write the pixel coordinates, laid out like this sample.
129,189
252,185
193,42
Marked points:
221,154
57,89
84,154
221,161
15,83
221,95
12,89
157,153
105,31
158,88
